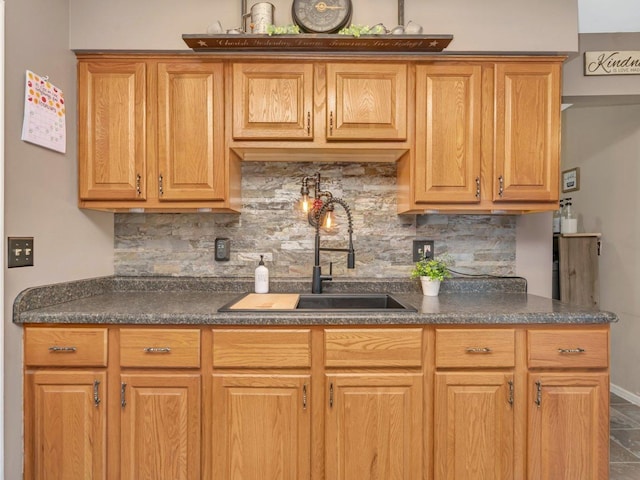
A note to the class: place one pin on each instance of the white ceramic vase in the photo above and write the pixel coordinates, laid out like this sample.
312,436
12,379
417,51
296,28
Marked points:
430,287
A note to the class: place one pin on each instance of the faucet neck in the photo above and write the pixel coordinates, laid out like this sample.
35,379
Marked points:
318,278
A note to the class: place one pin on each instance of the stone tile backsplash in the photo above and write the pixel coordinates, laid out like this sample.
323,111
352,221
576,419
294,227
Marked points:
272,224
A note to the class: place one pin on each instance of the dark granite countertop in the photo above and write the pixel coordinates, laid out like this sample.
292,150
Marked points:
195,301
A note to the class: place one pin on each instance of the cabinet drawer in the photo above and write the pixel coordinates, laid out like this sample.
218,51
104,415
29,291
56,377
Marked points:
475,348
65,347
163,348
262,348
373,347
568,349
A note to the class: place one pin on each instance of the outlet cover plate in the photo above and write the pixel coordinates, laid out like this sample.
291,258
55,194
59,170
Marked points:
423,250
223,250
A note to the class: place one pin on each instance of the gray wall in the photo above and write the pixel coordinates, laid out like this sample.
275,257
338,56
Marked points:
40,191
604,142
576,84
488,25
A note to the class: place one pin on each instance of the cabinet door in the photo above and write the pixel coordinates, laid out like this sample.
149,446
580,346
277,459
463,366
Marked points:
65,425
190,131
568,426
366,102
448,131
111,130
272,101
261,427
160,430
527,132
474,422
374,426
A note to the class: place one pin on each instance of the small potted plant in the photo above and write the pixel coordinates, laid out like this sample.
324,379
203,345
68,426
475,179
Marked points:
431,272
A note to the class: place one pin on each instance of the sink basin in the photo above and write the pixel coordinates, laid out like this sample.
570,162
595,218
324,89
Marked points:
323,302
351,301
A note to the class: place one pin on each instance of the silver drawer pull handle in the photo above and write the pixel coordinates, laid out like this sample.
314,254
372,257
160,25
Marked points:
571,350
478,350
56,349
157,350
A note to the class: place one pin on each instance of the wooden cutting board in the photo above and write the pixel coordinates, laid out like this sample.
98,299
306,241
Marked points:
267,301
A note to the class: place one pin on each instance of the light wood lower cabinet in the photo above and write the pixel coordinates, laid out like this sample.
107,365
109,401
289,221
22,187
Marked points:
160,426
475,400
374,426
65,425
568,427
407,403
568,404
261,426
474,426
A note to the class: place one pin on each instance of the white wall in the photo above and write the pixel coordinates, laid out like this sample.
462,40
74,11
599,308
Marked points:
488,25
605,143
41,191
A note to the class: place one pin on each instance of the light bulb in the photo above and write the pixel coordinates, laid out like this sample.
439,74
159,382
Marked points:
305,203
329,221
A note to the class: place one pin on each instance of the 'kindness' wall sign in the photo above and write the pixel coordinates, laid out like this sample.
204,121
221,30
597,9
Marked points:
612,63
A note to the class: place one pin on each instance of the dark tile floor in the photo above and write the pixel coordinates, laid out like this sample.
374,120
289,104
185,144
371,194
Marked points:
624,440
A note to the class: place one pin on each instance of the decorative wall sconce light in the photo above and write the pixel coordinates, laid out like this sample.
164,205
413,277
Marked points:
312,205
319,209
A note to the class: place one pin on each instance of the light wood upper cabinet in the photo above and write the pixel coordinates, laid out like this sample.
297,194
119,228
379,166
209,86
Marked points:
527,132
345,101
65,425
273,101
152,134
448,121
190,131
112,130
160,426
366,101
487,137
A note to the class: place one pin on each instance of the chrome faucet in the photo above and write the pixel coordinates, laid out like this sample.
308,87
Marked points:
318,277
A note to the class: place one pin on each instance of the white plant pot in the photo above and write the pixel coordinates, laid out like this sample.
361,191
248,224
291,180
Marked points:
430,287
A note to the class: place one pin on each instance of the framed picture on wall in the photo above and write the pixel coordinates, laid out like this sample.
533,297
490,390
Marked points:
571,180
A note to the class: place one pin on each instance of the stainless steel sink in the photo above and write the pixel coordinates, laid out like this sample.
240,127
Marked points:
351,302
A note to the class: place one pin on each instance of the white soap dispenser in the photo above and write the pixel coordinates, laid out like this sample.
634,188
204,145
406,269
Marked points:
262,277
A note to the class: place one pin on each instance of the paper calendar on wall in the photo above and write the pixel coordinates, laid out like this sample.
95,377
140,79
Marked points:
44,113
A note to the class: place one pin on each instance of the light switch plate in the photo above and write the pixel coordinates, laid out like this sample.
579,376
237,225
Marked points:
20,252
223,249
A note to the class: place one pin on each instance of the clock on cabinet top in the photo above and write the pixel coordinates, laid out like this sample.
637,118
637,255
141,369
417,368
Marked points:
318,16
